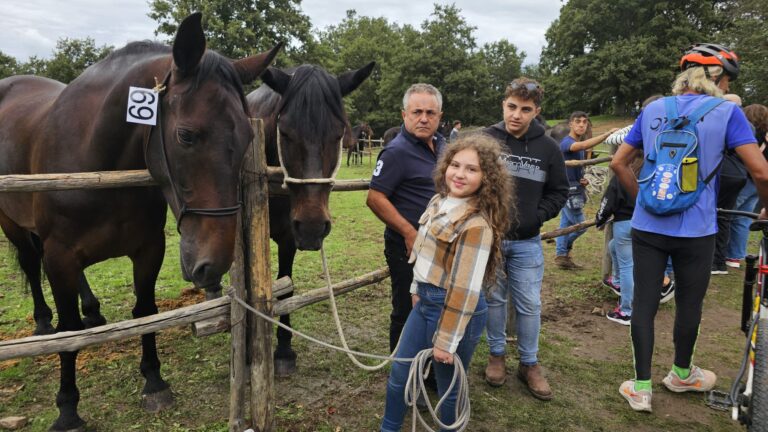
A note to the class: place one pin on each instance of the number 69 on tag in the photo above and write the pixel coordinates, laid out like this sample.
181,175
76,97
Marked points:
142,106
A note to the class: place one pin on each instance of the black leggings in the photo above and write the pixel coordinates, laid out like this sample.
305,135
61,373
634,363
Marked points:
691,260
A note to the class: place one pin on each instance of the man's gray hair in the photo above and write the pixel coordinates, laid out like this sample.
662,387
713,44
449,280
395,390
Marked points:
423,88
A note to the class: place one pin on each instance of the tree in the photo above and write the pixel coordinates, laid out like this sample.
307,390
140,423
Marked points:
602,56
71,57
8,65
238,28
747,34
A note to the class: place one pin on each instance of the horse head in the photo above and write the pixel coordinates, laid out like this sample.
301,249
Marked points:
197,147
307,128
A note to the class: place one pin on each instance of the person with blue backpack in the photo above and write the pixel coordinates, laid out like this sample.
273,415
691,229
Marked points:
683,139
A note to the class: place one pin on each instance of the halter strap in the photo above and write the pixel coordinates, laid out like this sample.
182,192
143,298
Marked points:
320,180
183,209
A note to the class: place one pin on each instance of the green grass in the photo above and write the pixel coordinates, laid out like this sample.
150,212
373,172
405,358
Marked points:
586,357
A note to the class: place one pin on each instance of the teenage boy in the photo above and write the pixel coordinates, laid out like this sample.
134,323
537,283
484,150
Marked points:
542,187
573,147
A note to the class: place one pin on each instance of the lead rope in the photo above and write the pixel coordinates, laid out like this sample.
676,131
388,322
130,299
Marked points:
414,387
288,179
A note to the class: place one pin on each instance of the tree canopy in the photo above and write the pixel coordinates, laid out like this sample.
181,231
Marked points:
600,56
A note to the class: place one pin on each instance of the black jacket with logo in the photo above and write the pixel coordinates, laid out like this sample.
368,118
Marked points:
537,164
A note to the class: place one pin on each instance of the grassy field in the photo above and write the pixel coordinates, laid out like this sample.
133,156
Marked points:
586,356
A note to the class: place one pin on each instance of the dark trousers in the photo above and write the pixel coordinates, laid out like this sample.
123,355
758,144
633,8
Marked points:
726,199
690,260
401,276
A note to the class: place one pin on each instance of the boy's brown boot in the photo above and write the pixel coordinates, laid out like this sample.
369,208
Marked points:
496,372
533,377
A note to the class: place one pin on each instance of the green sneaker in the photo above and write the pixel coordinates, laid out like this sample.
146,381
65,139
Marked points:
638,400
700,380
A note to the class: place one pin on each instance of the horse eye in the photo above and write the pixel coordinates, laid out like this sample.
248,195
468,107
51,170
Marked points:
185,136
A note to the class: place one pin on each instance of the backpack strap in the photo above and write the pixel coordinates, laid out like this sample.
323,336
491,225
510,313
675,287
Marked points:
696,115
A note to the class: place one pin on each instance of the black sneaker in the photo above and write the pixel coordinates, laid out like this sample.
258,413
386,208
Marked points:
618,317
719,269
668,291
608,283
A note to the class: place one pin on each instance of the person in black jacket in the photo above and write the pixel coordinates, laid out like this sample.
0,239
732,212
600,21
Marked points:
537,165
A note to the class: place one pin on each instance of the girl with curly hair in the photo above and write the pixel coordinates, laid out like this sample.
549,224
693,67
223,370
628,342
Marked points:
456,253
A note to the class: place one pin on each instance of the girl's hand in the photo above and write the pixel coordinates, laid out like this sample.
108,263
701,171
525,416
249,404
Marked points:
414,299
441,356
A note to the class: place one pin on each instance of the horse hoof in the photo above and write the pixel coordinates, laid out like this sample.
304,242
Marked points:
285,367
94,321
156,402
44,329
77,425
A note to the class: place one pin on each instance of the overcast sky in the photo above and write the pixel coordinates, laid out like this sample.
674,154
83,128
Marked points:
32,27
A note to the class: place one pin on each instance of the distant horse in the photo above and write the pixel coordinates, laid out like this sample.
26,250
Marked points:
389,135
355,142
304,124
194,153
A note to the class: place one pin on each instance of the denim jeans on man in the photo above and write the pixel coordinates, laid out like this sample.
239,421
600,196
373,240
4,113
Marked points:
568,217
524,264
621,256
417,335
746,201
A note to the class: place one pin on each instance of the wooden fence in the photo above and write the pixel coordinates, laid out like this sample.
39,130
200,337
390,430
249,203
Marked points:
250,275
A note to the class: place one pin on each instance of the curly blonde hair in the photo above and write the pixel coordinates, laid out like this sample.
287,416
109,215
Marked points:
495,198
698,79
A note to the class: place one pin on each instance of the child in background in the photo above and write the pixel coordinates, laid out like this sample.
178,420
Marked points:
457,248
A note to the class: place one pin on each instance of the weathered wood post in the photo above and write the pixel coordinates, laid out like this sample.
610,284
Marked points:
260,290
252,280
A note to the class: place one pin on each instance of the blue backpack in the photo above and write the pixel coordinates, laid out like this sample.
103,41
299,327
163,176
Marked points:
669,181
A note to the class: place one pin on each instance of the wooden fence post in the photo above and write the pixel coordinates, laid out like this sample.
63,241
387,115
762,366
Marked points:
260,289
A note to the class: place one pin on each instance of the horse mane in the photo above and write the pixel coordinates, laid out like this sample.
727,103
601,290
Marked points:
309,88
212,65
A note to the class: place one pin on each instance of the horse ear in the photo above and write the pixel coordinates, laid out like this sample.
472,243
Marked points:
250,68
349,81
276,79
189,45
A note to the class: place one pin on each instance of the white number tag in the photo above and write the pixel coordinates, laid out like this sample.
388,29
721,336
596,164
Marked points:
142,106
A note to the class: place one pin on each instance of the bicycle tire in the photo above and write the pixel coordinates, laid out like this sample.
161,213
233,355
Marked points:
758,406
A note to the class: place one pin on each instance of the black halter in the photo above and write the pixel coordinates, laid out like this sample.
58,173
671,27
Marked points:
183,209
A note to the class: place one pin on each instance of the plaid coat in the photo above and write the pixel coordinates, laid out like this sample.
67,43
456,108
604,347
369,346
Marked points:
452,253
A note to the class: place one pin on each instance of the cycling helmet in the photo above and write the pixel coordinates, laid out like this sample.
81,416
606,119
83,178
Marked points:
709,54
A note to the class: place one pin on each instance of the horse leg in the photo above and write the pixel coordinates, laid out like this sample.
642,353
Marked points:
90,305
349,154
285,356
156,395
61,267
29,254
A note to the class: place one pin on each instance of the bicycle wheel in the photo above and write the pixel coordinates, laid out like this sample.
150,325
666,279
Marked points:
758,406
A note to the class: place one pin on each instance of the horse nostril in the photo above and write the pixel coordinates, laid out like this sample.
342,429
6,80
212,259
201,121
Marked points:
200,272
327,229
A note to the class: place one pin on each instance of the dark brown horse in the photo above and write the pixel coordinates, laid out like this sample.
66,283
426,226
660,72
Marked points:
389,135
303,113
355,142
194,152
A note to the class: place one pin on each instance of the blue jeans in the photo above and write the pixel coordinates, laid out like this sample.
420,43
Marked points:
746,201
417,335
568,217
621,256
524,264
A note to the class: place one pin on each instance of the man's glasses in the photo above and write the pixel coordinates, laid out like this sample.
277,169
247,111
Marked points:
530,86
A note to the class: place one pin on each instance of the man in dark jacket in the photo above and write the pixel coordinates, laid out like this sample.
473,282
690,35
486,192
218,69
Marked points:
536,162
